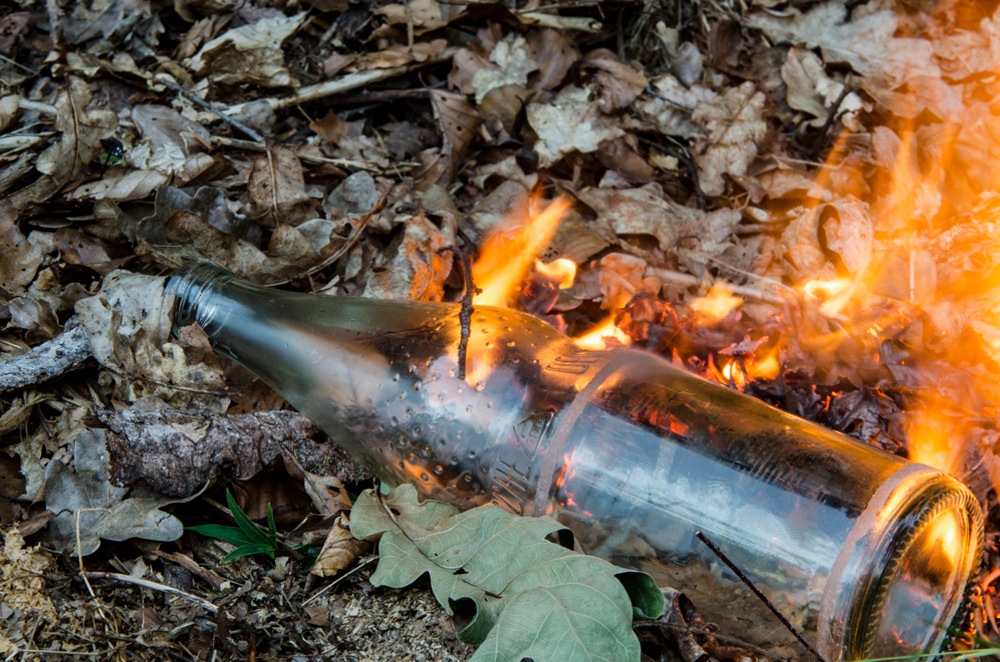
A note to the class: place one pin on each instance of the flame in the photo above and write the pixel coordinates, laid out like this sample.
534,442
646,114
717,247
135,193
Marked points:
508,254
716,305
596,337
561,271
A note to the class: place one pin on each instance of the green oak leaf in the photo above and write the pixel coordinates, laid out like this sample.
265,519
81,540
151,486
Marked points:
533,598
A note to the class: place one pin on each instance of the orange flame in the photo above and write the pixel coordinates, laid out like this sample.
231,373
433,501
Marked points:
596,337
509,253
717,304
561,270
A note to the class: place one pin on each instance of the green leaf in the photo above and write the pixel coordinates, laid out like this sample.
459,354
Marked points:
252,531
533,598
249,550
231,534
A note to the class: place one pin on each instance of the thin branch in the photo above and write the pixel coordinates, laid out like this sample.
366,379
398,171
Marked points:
756,591
68,351
350,82
465,315
207,105
145,583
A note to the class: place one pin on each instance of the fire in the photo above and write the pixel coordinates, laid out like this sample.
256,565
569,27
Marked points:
717,304
596,337
562,271
508,254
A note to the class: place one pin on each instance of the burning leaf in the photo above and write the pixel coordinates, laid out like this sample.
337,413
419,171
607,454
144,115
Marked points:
250,54
340,549
529,593
621,277
848,231
277,189
569,123
734,128
88,507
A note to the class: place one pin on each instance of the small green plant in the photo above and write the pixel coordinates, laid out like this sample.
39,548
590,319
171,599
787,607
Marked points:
248,537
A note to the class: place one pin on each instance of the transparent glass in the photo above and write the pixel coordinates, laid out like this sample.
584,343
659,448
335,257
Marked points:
865,553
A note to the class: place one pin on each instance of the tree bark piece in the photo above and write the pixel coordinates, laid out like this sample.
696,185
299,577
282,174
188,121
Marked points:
66,352
176,452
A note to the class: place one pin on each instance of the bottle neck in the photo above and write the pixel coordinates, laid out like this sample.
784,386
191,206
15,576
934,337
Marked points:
196,293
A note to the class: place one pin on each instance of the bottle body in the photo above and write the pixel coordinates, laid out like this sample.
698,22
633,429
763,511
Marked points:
865,553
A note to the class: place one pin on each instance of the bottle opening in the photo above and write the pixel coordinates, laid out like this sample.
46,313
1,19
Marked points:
192,289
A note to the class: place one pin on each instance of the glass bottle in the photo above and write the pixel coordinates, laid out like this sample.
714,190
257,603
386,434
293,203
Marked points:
867,554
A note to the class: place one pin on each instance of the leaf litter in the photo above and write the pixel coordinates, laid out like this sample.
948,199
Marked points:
692,137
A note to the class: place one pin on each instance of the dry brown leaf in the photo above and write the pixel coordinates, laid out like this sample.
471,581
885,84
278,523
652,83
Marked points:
733,128
642,211
555,52
328,493
569,123
621,277
618,84
250,54
340,549
422,15
418,269
128,326
868,44
804,256
810,90
509,64
19,258
458,122
277,189
80,133
122,186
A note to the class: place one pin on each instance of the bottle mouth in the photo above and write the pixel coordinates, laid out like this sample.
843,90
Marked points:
916,598
192,290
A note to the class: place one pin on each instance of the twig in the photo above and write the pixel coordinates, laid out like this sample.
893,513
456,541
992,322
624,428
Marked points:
693,281
346,83
207,105
67,352
756,591
465,315
318,594
145,583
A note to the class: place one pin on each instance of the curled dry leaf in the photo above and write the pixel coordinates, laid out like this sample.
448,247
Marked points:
418,269
128,326
250,54
618,84
88,507
19,258
422,15
80,130
340,549
849,233
458,121
569,123
510,64
811,91
733,128
277,189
